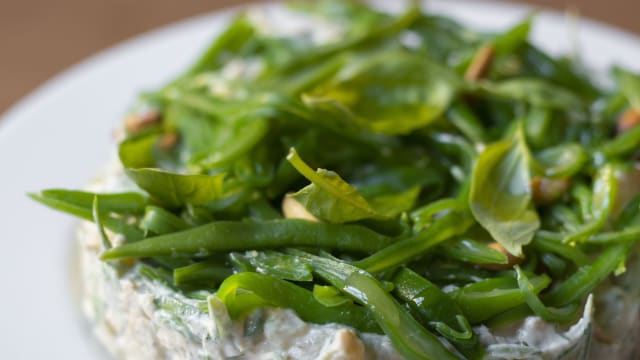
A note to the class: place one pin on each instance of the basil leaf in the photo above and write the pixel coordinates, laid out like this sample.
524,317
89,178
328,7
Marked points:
395,93
509,41
564,160
390,205
175,190
138,150
500,197
536,92
230,42
329,197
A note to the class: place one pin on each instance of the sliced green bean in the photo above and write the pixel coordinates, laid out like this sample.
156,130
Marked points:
482,300
206,274
562,315
247,291
392,318
160,221
435,309
402,251
225,236
587,277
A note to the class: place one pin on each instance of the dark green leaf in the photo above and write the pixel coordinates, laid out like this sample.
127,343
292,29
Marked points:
175,190
500,197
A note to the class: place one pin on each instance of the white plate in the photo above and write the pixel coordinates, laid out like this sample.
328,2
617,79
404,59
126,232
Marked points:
60,136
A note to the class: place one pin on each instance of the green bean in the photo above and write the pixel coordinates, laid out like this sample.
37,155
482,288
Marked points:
461,116
121,203
562,315
224,236
621,145
629,234
552,242
587,277
329,296
398,253
106,243
434,308
278,265
206,274
556,265
161,221
423,216
469,250
115,224
482,300
247,291
392,318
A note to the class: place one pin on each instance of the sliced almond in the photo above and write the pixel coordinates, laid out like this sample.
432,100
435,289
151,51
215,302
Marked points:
134,123
292,209
346,345
511,259
168,141
545,191
628,120
480,64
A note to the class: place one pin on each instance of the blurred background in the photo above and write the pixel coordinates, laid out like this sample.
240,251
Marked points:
39,38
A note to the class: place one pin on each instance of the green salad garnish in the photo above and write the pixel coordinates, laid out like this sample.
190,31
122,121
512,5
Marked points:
403,175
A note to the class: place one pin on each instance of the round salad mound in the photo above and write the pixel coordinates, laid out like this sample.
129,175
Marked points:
461,194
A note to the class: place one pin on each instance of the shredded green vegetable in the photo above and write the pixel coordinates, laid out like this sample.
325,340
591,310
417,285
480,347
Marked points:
435,177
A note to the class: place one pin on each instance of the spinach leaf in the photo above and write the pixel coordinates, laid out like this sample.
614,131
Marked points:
536,92
230,42
564,160
329,197
390,205
176,190
395,92
139,150
510,40
500,197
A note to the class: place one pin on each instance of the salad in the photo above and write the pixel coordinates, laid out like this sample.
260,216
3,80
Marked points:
400,175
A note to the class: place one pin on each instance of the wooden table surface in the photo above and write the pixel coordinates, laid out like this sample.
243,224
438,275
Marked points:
39,38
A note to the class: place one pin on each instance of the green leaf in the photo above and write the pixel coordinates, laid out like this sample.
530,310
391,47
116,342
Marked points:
564,160
395,93
536,92
329,197
175,190
229,43
500,197
509,41
629,84
138,150
390,205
